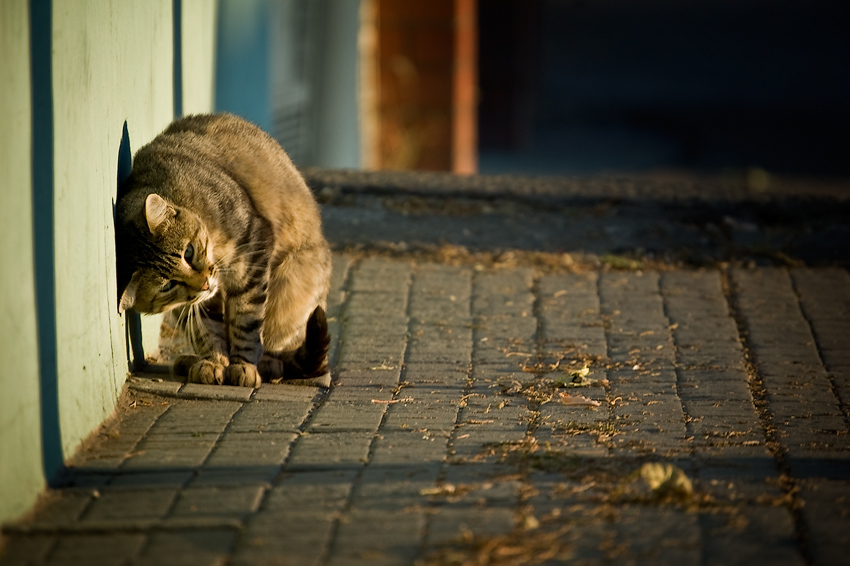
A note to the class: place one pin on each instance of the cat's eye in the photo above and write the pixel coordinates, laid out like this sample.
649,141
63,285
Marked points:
189,253
168,286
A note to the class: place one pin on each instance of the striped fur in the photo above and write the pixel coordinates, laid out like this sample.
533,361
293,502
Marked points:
217,229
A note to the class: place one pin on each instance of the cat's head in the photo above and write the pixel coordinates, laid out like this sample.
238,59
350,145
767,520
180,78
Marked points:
165,259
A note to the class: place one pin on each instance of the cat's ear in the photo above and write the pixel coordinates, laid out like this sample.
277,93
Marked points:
128,297
157,212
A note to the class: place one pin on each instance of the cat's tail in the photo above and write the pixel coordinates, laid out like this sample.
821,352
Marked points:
308,362
311,358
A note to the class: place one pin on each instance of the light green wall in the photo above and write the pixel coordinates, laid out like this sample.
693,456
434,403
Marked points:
21,474
198,38
112,62
198,29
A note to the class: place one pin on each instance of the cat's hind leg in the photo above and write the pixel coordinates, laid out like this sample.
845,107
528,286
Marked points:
308,361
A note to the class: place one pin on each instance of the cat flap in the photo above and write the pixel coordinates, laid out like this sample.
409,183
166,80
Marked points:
157,212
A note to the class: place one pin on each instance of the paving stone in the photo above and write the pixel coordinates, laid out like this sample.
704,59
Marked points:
298,537
825,301
340,412
424,375
703,329
379,338
377,538
364,393
445,285
472,442
425,443
215,392
25,550
650,408
439,344
479,486
655,379
196,418
127,505
316,491
825,510
374,376
503,294
380,275
62,507
336,299
330,450
156,385
211,502
373,314
171,452
452,525
807,463
285,415
394,488
342,265
566,417
259,475
658,535
492,417
150,479
101,549
781,333
731,483
120,440
713,385
375,349
489,381
427,396
750,535
409,447
424,408
245,449
651,420
570,298
208,547
104,461
286,393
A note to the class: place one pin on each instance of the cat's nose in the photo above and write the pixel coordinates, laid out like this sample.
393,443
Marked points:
206,285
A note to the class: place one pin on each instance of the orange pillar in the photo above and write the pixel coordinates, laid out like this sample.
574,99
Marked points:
465,122
422,58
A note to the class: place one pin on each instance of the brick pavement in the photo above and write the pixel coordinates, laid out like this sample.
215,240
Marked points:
445,439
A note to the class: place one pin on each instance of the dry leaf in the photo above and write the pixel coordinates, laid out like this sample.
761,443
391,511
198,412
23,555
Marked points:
666,479
445,489
580,373
530,522
578,378
578,400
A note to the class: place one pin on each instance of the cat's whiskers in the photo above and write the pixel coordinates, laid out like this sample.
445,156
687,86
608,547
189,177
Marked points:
183,322
196,328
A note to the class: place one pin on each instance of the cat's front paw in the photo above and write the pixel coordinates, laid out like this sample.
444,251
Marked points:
205,371
242,374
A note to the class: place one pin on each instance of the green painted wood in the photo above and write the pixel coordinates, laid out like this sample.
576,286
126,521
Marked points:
62,341
21,476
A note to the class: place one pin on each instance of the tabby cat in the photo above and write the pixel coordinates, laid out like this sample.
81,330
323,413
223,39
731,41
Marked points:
216,228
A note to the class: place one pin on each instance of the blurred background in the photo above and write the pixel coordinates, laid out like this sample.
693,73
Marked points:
545,87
